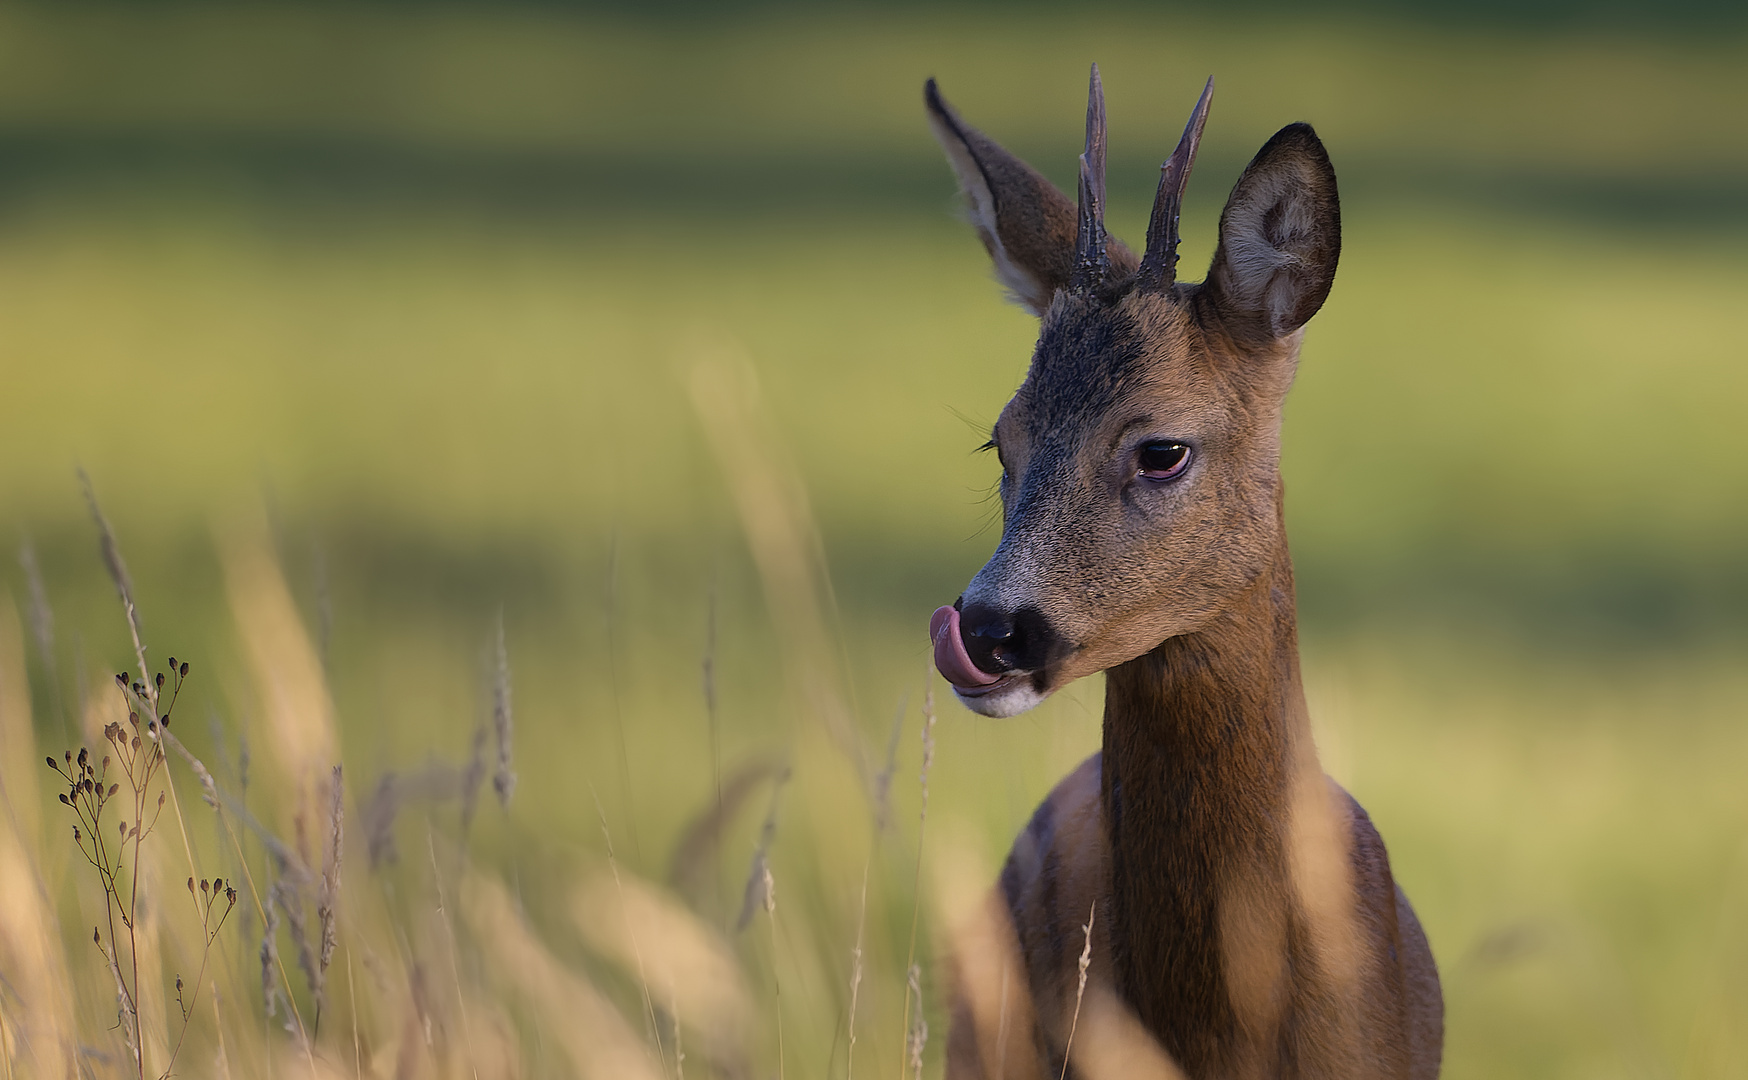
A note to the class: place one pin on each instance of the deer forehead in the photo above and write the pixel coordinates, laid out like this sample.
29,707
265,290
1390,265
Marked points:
1100,370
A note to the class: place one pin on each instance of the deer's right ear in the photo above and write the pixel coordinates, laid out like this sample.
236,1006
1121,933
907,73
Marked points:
1025,223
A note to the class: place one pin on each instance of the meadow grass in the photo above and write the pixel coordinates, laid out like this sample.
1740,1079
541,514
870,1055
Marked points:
345,439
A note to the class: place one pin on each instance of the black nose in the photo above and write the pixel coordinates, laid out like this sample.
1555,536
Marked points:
1003,641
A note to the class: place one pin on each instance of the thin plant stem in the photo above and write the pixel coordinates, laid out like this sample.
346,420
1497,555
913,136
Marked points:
188,849
776,979
199,977
618,711
922,823
713,720
454,968
352,1000
1080,988
856,965
631,935
218,1027
284,976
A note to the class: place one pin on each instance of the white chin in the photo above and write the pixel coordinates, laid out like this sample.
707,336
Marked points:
1010,697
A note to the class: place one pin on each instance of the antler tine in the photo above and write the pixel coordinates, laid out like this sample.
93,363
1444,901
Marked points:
1090,259
1159,265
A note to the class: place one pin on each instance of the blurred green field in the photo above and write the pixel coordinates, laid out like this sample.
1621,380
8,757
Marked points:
430,285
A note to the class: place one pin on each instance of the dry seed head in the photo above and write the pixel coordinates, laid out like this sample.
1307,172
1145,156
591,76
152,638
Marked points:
183,670
1080,990
270,957
330,886
504,778
290,901
918,1036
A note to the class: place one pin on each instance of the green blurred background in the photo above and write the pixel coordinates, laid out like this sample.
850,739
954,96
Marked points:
426,281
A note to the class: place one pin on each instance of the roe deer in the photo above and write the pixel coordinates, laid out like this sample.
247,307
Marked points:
1237,903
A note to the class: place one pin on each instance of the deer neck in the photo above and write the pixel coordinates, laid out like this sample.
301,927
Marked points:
1200,738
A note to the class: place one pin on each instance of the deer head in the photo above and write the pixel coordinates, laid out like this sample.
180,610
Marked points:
1140,482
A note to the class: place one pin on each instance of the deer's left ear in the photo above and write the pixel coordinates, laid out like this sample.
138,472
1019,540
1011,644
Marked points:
1026,223
1280,238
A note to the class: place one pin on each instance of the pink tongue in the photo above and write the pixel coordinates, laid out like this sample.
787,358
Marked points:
951,659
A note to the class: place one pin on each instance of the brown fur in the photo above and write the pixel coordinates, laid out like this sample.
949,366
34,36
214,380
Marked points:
1246,913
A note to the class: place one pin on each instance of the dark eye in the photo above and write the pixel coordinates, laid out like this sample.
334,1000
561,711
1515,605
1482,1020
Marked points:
1163,460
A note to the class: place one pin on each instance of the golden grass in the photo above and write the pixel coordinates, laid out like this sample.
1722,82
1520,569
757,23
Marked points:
1528,812
466,413
37,1038
460,977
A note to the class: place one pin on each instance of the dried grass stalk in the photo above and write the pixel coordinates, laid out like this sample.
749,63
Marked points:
650,935
269,955
753,894
288,896
42,617
1080,987
928,736
124,585
328,896
287,672
472,776
503,778
984,965
917,1039
601,1045
775,516
697,853
856,972
36,989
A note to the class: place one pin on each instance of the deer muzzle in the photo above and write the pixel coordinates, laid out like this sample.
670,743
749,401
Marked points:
994,660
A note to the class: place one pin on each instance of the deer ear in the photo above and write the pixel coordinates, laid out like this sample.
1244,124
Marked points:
1026,224
1280,238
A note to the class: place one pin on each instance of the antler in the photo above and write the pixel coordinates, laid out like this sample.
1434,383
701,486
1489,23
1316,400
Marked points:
1090,259
1159,266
